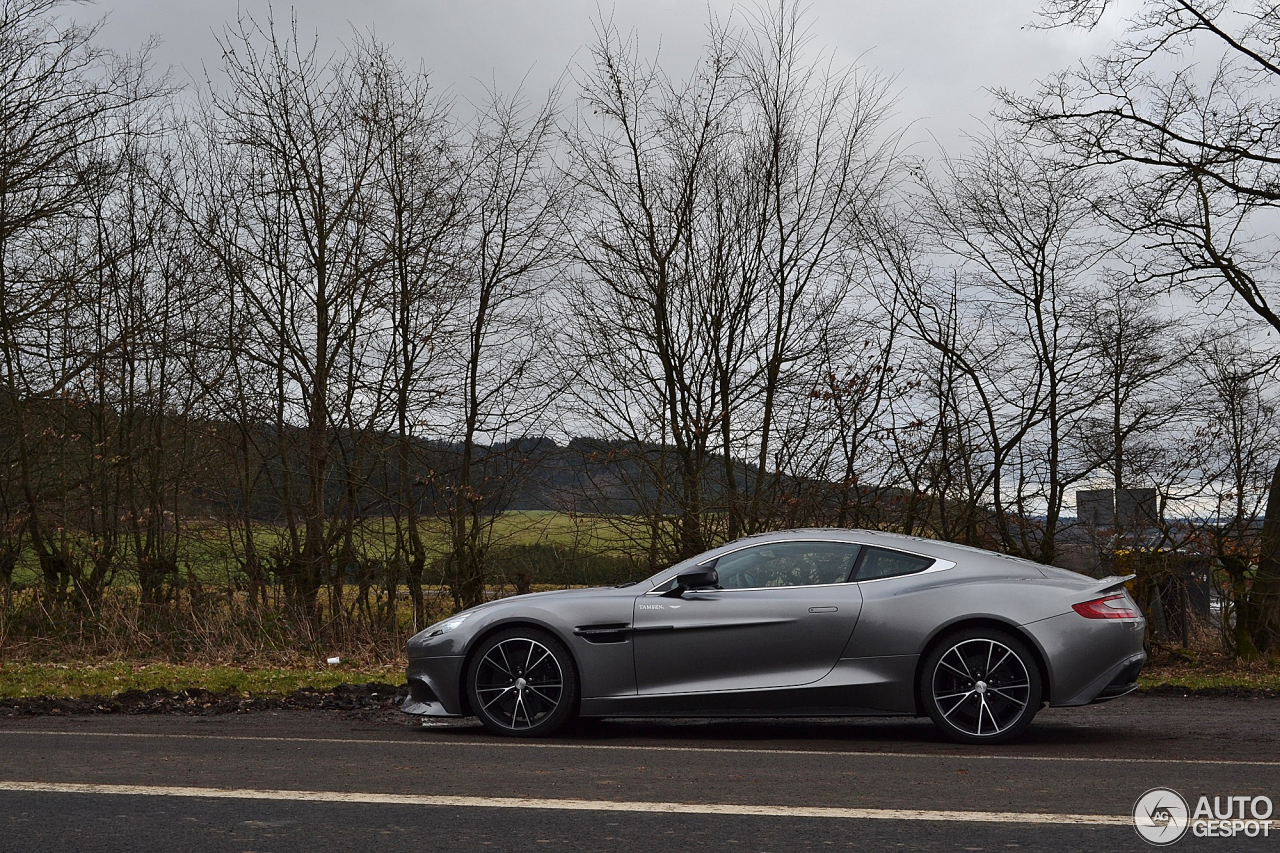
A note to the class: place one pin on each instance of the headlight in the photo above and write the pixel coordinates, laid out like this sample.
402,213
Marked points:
447,625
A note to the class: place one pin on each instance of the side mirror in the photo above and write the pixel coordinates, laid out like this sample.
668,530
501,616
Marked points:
696,579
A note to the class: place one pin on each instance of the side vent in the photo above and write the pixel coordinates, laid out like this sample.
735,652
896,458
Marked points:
612,632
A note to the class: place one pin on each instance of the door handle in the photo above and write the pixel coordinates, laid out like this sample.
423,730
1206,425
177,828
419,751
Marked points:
823,609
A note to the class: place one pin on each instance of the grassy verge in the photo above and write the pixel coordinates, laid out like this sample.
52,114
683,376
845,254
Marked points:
19,680
1210,672
1193,681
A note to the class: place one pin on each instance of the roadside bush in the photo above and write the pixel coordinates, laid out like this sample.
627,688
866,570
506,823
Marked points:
541,564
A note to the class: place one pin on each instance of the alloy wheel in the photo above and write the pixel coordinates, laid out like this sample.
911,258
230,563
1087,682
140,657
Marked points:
518,684
981,687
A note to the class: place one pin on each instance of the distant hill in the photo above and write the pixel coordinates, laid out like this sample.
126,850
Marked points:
587,475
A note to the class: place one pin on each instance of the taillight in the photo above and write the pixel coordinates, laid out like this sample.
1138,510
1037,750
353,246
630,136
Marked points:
1110,607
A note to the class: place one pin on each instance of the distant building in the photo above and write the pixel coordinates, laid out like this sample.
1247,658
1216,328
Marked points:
1136,507
1129,508
1096,507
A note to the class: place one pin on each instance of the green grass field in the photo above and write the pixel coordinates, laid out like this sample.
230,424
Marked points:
207,551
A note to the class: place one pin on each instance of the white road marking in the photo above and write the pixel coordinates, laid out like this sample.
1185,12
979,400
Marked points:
570,804
729,750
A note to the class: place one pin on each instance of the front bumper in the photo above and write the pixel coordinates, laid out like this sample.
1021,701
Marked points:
434,687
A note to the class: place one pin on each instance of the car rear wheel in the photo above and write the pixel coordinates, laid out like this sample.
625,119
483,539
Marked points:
981,686
522,683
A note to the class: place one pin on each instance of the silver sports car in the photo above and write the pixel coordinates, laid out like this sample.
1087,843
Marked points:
798,623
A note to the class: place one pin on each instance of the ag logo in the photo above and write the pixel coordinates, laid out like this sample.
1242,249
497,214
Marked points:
1161,816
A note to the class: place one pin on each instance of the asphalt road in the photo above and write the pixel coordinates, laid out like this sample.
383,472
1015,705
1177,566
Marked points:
324,781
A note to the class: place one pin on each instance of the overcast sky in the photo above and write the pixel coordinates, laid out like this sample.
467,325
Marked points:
944,53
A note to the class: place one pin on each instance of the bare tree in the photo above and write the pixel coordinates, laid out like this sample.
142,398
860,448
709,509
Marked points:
289,218
515,212
1195,161
137,400
61,102
421,215
960,428
842,430
1023,224
816,157
715,268
1234,446
642,150
1135,351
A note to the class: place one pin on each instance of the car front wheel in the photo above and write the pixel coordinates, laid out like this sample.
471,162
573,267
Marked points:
981,686
522,683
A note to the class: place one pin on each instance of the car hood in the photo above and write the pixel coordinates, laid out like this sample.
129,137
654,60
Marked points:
532,596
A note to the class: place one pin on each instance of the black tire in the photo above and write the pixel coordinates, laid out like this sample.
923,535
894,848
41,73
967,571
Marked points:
981,685
522,683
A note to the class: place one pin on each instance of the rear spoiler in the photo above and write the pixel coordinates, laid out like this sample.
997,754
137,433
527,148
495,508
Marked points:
1110,583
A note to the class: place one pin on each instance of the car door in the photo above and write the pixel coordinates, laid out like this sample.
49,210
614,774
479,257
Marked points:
781,618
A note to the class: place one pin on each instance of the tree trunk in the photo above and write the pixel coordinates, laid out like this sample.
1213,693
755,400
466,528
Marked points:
1264,597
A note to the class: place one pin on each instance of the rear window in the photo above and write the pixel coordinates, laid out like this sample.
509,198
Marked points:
876,563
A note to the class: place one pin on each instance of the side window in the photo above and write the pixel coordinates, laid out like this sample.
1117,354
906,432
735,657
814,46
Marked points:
787,564
879,563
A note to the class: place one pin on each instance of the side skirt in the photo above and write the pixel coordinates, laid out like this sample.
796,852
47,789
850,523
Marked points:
856,687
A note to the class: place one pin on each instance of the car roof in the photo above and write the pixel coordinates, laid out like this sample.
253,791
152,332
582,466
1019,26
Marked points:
920,544
859,536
